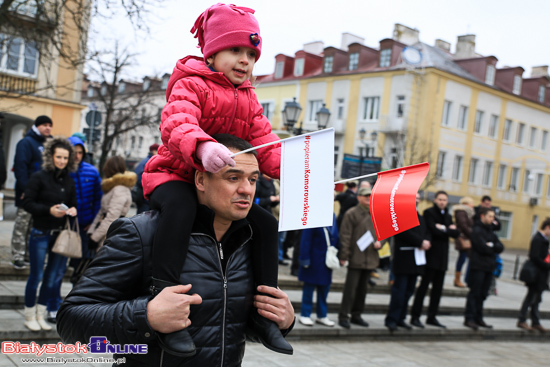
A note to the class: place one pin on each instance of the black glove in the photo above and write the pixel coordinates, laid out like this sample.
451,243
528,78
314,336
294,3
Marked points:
92,245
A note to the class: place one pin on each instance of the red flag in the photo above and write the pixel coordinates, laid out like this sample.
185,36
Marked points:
393,199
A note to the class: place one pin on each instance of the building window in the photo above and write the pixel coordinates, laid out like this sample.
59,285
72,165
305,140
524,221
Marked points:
473,171
521,131
146,84
463,118
121,87
340,109
490,75
487,174
299,67
440,164
532,137
353,61
544,140
18,56
394,158
266,110
538,184
90,92
133,143
371,109
165,82
385,58
279,68
329,60
501,179
140,142
505,219
507,130
493,126
457,168
446,112
542,92
104,89
514,178
517,85
314,106
527,181
478,125
400,106
548,188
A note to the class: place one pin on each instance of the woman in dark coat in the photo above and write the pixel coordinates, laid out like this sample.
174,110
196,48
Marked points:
314,273
464,219
46,191
538,252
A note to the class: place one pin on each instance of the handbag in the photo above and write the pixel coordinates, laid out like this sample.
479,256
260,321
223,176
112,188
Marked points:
528,273
331,258
462,243
68,243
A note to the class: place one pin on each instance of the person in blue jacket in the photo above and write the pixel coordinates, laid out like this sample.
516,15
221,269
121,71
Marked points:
314,273
27,160
88,194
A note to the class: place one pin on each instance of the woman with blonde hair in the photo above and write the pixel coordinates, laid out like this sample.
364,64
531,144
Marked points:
117,198
464,218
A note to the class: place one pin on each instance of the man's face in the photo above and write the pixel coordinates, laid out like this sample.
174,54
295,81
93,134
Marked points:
546,231
230,192
45,129
441,201
78,153
364,200
486,203
488,218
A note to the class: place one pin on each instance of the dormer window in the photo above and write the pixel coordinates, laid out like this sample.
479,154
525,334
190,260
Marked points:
279,68
353,61
490,75
299,67
542,93
121,87
90,92
517,84
385,58
146,84
165,81
104,90
329,60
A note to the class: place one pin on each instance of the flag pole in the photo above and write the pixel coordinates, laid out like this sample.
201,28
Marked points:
356,178
280,141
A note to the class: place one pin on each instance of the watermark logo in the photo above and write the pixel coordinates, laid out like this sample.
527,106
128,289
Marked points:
100,344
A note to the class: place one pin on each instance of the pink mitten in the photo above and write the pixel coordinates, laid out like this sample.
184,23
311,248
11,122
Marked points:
214,156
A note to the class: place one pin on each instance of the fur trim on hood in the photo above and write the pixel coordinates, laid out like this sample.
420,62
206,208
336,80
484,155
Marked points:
469,211
47,153
127,179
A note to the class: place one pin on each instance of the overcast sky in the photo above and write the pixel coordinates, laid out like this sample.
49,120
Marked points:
516,32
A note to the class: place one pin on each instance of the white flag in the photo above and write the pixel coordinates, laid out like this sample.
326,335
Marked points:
307,181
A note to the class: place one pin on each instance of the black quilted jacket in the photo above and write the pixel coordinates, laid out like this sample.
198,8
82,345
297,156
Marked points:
111,298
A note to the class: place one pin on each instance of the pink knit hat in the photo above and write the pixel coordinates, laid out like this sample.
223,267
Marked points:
224,26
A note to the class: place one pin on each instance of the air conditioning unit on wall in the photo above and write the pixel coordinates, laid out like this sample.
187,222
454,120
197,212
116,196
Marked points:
533,201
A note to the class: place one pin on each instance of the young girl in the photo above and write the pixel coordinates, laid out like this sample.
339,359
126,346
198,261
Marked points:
206,97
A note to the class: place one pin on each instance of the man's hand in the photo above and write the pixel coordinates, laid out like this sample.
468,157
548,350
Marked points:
426,245
169,310
277,309
377,245
56,211
452,226
343,262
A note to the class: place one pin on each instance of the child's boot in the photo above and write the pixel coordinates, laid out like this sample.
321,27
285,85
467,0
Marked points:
178,343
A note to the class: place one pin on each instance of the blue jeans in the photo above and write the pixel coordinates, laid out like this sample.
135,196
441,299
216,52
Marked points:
39,247
462,256
401,292
307,300
282,236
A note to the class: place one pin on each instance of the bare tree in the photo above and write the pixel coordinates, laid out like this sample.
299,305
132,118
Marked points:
132,109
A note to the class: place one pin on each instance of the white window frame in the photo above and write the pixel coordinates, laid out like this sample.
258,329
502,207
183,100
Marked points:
487,177
103,90
21,56
90,92
299,66
508,124
514,180
400,108
505,219
121,88
516,89
532,137
526,182
544,140
314,106
353,61
542,93
538,184
371,108
457,168
447,105
270,109
165,82
279,69
490,75
462,123
340,109
385,58
520,133
439,172
478,125
146,84
472,173
501,178
328,64
493,127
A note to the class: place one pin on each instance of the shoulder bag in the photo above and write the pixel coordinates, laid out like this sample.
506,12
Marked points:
528,273
462,243
68,243
331,258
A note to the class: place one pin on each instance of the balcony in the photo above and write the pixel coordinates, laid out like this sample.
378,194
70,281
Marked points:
17,85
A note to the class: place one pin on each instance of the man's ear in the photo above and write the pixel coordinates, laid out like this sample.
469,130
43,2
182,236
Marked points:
199,180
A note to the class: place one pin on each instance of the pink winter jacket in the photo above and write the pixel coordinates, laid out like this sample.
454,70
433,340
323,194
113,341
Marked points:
201,103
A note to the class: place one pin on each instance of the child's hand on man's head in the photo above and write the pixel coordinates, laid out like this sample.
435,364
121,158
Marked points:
214,156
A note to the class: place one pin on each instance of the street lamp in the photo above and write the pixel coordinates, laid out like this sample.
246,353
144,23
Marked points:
373,137
292,111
